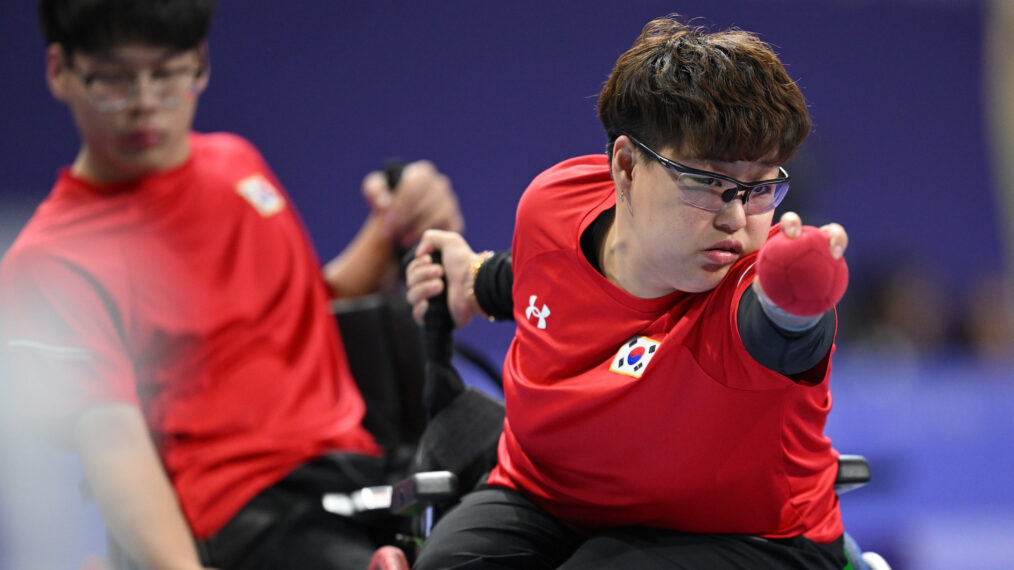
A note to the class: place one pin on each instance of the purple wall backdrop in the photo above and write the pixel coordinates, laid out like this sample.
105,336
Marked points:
495,92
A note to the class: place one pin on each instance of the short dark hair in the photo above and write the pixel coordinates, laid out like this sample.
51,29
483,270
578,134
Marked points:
722,96
93,26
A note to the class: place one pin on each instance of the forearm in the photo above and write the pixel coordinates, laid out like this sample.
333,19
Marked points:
366,265
133,493
789,348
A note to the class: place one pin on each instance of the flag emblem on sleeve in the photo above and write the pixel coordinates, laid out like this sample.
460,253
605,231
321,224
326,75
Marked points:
261,194
634,356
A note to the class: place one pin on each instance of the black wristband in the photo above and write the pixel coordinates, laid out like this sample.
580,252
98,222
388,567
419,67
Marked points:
493,284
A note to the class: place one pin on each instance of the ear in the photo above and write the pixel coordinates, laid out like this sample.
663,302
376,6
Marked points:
202,81
57,71
622,166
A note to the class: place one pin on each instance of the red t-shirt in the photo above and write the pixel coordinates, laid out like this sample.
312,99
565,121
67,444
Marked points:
629,411
194,294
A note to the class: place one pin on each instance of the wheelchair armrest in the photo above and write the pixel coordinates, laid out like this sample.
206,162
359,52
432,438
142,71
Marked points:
407,497
362,502
413,494
853,472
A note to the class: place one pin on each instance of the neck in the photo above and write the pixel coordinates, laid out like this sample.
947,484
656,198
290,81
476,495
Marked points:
623,262
105,170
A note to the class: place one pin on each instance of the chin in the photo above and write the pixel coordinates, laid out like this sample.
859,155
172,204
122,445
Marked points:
148,160
708,280
138,167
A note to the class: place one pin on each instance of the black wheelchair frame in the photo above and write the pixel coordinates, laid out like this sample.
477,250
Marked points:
463,415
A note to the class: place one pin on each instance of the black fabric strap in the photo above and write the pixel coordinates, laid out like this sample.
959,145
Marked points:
462,438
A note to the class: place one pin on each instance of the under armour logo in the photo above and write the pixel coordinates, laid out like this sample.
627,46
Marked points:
540,313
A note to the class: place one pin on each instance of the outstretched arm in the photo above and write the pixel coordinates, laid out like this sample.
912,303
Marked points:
790,327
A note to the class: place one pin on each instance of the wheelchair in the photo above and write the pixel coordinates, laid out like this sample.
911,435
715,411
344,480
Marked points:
443,432
458,443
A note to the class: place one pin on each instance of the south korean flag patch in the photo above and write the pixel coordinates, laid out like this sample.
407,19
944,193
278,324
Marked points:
261,194
634,356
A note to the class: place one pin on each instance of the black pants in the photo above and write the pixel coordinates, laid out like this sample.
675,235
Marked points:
286,526
499,528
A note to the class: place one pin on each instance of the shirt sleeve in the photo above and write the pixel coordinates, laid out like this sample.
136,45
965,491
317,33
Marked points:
63,340
493,285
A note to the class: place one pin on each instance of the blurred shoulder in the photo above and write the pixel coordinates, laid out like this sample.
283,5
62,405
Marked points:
224,147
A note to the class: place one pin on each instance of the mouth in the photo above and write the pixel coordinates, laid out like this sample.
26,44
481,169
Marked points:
723,252
729,245
142,139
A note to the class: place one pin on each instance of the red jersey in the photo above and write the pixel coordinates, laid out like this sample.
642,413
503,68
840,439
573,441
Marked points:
194,294
628,411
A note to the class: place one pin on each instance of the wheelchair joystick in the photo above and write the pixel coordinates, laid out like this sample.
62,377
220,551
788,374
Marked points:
443,383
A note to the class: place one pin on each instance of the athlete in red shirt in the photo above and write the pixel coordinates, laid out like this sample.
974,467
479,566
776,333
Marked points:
661,411
165,314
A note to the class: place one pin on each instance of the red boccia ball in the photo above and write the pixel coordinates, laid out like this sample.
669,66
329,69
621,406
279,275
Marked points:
799,275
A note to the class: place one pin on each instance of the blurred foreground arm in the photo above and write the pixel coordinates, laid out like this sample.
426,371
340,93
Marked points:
133,493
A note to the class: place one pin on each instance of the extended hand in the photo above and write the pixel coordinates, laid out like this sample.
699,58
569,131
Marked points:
801,270
792,227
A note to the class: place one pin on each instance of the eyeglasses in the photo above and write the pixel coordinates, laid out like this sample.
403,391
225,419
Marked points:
710,191
112,91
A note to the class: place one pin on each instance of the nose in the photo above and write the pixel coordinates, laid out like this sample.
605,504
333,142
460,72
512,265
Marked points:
731,217
144,92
